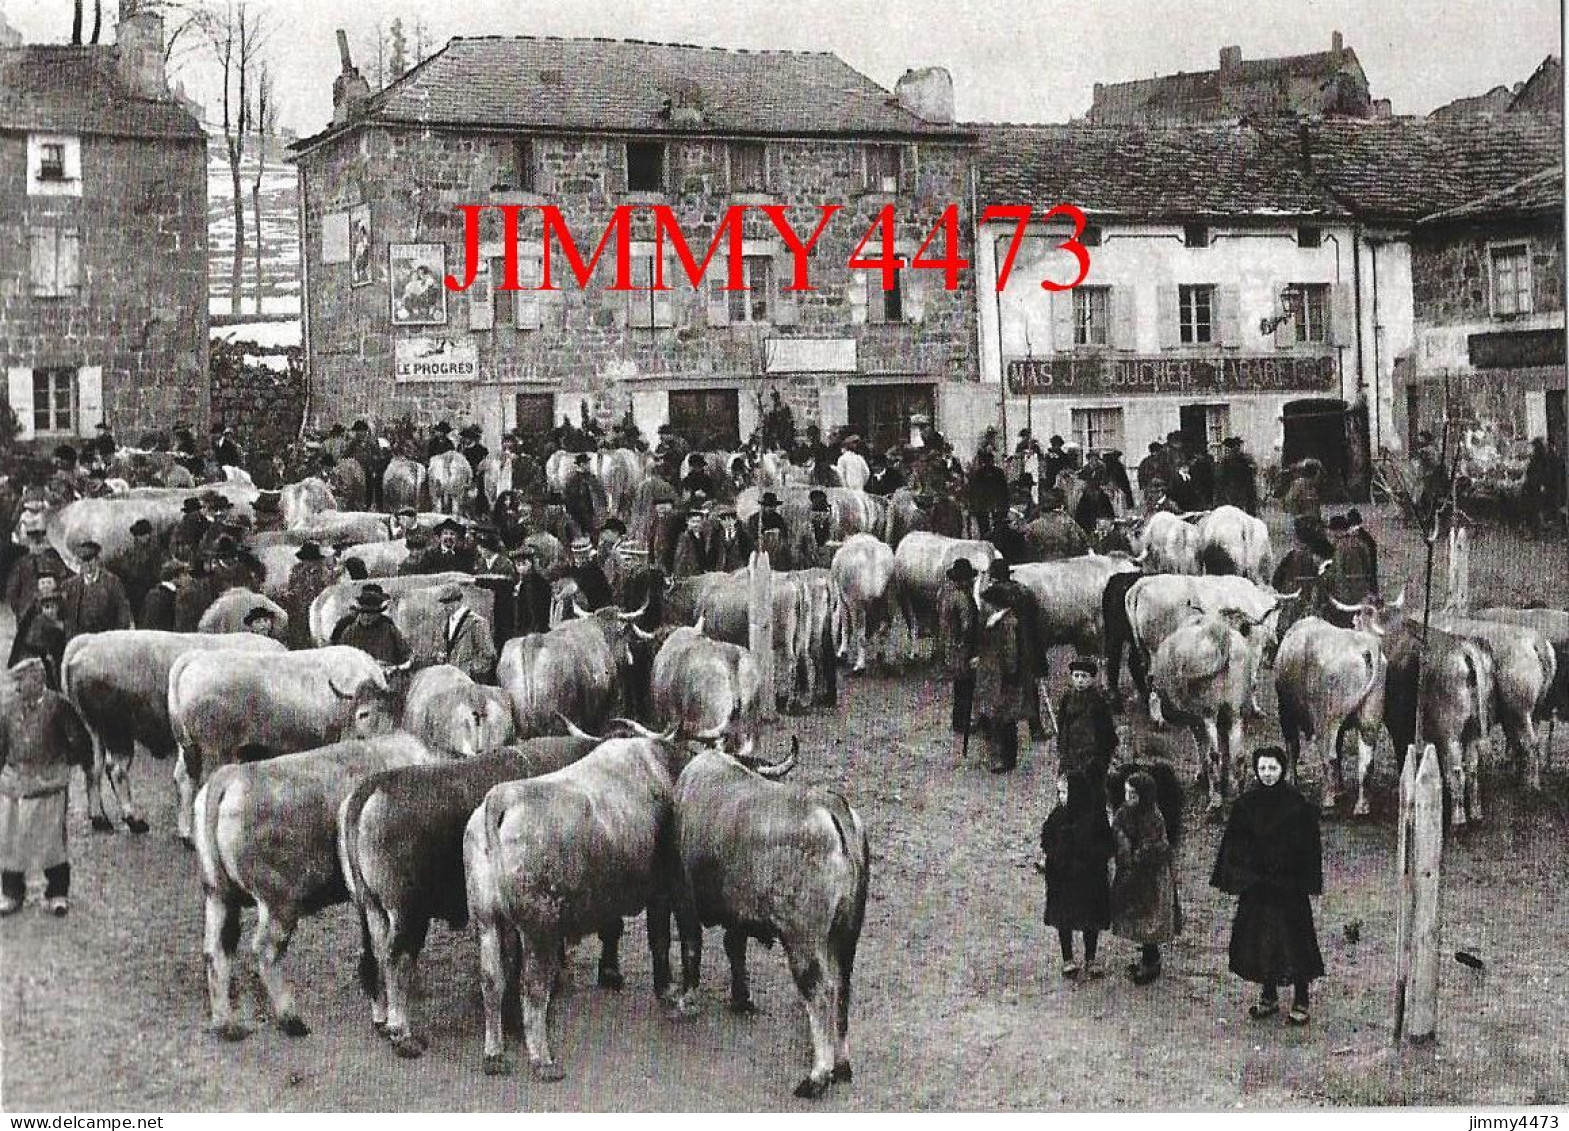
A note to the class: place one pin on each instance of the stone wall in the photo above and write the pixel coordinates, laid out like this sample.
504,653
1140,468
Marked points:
141,314
1451,274
260,392
588,343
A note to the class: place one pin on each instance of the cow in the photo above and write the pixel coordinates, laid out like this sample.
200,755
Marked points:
1167,543
400,847
853,470
621,471
299,501
336,528
1118,634
108,521
854,512
904,515
1554,625
119,682
382,558
773,861
575,669
1068,594
1230,534
706,688
920,566
228,611
277,561
1202,674
453,715
414,607
1328,681
451,478
402,483
862,570
803,641
1524,671
240,706
1453,696
559,856
267,832
817,668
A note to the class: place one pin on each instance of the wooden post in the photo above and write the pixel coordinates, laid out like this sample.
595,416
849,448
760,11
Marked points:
1459,602
760,632
1417,930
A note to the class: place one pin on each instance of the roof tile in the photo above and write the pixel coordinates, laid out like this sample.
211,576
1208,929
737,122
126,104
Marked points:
78,90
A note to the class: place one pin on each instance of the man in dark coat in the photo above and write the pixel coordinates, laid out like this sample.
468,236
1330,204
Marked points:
1349,578
470,448
93,600
692,555
531,610
1003,681
1032,659
448,554
1094,504
732,549
1355,528
41,630
1271,857
369,629
40,558
189,532
957,632
1086,735
1236,478
1151,468
311,575
593,586
988,494
157,609
440,440
365,447
584,496
885,480
770,533
226,451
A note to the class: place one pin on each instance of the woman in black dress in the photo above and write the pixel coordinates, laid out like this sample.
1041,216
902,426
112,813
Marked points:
1272,858
1076,844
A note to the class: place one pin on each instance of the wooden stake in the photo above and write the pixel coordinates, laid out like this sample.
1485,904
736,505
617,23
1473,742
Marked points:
1404,890
1417,930
760,631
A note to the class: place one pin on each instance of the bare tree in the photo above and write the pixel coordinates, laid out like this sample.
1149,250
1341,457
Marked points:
98,19
238,34
375,48
266,120
76,25
421,40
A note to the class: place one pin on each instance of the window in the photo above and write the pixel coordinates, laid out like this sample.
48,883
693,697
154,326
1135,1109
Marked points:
1091,236
1098,429
648,308
1196,314
1195,235
523,165
56,262
645,166
882,168
1092,316
51,164
1511,279
1308,306
708,419
752,305
54,401
748,167
1309,237
881,305
1205,424
54,165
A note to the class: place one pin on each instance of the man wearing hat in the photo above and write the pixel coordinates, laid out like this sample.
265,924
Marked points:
1021,600
696,480
732,548
104,443
448,554
470,448
692,555
369,629
38,559
260,620
490,557
824,529
988,494
405,520
93,600
1003,681
531,596
267,511
958,630
769,531
157,609
226,451
1300,569
1086,735
40,633
1355,528
1094,503
584,497
1349,578
311,575
139,566
188,533
886,478
230,567
593,586
466,640
1236,477
440,440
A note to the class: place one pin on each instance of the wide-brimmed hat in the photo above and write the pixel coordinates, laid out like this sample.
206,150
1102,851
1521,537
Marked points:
769,499
999,595
1338,524
372,599
141,526
257,613
1082,664
191,506
360,426
447,524
470,432
999,570
87,549
442,426
308,552
450,594
962,572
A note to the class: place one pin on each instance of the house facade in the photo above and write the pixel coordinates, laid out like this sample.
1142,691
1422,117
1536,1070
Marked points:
103,215
586,126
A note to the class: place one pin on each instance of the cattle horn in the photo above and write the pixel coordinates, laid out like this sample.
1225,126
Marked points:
1400,601
642,731
1139,560
699,625
1292,596
578,612
1323,569
639,631
635,613
778,770
713,734
991,621
575,731
336,691
1346,608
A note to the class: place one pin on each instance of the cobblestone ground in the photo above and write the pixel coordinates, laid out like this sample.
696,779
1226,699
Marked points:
958,1003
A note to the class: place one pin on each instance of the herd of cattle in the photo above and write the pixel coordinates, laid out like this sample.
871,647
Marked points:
498,805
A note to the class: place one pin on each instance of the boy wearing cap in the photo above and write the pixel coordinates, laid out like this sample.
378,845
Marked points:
466,640
957,631
94,600
260,620
369,629
1086,735
40,634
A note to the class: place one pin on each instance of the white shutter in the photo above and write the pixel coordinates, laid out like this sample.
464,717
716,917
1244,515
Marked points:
41,246
649,411
527,306
1124,318
833,406
68,261
786,308
1061,321
876,297
718,301
664,301
482,299
909,168
857,295
913,284
1228,316
1342,315
19,393
89,399
1168,317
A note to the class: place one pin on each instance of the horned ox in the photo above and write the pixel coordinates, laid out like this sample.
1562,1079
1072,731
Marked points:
920,566
576,669
228,611
861,571
1241,538
704,686
450,713
450,478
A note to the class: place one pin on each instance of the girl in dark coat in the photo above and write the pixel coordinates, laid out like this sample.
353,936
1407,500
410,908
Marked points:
1076,843
1272,858
1145,907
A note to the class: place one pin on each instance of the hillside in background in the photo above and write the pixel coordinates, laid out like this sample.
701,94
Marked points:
280,232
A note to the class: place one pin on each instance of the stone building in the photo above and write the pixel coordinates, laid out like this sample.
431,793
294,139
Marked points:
1322,82
1489,289
1542,93
103,218
587,125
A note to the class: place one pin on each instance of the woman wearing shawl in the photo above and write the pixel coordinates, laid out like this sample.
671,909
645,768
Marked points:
1076,843
1144,902
1272,858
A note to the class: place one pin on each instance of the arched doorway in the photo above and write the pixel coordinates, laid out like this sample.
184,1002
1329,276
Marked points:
1335,434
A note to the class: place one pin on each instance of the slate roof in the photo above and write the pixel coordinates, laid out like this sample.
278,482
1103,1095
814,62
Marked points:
1536,195
1201,90
1147,172
78,90
1402,169
622,86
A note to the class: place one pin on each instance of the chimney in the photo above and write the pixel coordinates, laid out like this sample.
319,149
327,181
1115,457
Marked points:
350,91
928,94
139,36
1337,46
1230,62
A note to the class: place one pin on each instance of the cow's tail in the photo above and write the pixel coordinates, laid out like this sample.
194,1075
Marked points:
1377,666
495,812
1473,671
216,876
354,879
849,916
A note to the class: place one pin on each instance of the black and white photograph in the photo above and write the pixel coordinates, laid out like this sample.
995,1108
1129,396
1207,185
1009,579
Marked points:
944,557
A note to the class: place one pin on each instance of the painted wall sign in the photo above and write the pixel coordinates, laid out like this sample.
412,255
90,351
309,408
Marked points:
435,359
1158,376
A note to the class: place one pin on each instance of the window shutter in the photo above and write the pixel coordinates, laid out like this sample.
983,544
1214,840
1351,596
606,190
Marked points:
664,301
912,285
615,166
674,176
833,406
1286,332
68,264
19,393
786,309
856,292
1062,321
876,300
89,399
1168,317
1342,315
1228,316
1124,319
909,168
718,301
482,300
41,241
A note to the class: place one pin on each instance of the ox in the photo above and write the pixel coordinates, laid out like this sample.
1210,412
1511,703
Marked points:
1203,673
1554,625
1167,543
772,861
451,478
1230,534
233,707
853,470
804,663
268,833
108,521
227,613
861,571
382,558
337,528
299,501
400,844
706,688
1329,680
401,483
575,669
920,566
119,682
453,715
1068,595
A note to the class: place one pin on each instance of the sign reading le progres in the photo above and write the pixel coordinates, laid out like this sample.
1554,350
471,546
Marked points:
1154,376
435,359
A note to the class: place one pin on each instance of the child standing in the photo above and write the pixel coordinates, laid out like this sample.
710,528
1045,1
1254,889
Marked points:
1086,734
1145,909
1076,843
